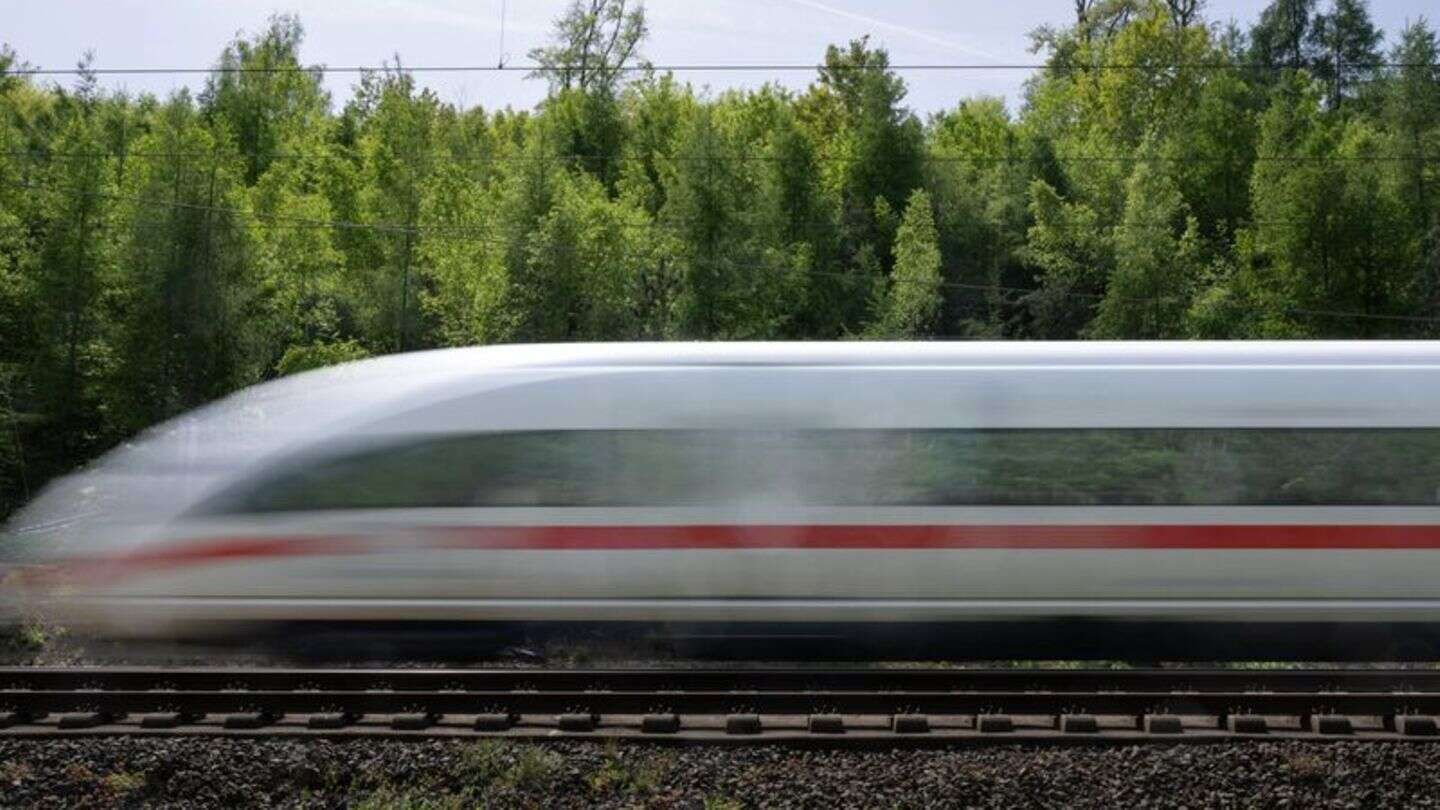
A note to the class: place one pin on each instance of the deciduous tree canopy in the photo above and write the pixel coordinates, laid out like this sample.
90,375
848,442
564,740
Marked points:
1162,177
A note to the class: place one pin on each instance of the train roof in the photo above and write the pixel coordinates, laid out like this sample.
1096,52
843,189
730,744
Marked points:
950,353
1015,384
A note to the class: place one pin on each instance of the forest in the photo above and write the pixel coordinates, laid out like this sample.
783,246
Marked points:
1164,176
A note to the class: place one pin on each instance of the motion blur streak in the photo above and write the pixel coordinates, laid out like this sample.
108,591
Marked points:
210,551
1027,486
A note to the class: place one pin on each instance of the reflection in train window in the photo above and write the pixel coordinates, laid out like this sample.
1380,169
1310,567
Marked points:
1071,467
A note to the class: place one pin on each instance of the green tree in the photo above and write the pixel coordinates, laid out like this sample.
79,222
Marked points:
467,293
298,272
1073,255
155,254
398,145
733,282
1185,13
319,355
1412,114
911,304
594,42
1282,38
183,287
1347,48
74,199
1211,153
1329,235
877,150
582,266
979,171
527,192
264,96
703,209
797,219
656,110
1156,262
19,264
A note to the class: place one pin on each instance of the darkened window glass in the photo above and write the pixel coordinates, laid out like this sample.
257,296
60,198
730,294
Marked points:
864,467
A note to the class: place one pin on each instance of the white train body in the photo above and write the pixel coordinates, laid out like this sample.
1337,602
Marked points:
1182,484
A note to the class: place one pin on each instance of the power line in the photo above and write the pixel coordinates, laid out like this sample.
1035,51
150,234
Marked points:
774,67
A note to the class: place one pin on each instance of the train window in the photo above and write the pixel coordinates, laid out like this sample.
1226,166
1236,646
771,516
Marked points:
1072,467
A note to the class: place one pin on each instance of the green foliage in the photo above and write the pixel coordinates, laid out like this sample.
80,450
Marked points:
911,305
467,287
1347,47
877,149
399,154
980,211
583,262
1156,256
592,42
31,636
318,355
1329,235
734,281
263,96
391,798
73,212
157,253
184,273
631,772
123,783
1411,109
1074,254
533,768
1283,34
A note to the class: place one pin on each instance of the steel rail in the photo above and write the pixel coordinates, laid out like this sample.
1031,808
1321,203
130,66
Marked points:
754,704
928,679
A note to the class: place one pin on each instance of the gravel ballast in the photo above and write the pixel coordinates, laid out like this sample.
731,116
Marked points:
196,772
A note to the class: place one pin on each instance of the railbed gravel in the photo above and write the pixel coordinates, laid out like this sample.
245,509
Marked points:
196,772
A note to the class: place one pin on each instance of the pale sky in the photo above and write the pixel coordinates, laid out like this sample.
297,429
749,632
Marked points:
191,33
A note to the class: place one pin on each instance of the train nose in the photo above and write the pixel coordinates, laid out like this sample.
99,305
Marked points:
20,579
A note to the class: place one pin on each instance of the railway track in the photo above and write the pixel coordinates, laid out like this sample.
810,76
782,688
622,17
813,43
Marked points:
827,706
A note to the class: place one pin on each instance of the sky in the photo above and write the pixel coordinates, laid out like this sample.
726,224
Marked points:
191,34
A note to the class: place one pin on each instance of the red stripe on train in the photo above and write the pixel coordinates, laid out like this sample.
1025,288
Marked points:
207,551
1026,537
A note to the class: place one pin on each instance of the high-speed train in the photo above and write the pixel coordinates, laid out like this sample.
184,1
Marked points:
1147,500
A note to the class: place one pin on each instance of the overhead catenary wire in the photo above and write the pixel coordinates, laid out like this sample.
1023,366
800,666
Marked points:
697,67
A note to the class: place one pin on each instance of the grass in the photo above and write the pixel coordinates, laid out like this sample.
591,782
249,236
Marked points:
534,768
26,631
481,771
481,763
487,772
389,798
616,774
1306,767
31,635
77,772
124,783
